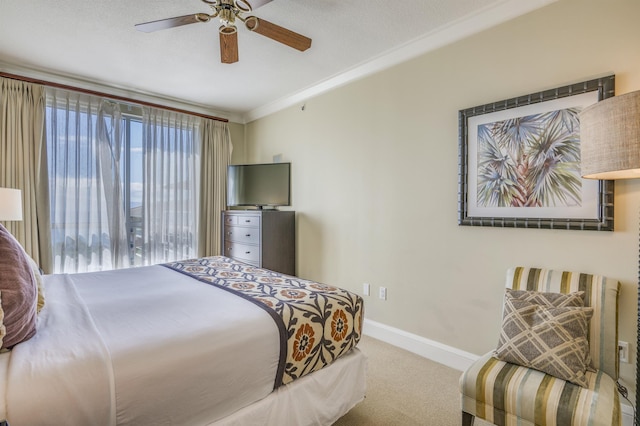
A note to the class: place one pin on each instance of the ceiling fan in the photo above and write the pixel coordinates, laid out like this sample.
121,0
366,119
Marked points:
228,11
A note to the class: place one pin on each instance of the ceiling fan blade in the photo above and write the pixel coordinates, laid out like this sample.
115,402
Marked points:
258,3
278,33
163,24
228,46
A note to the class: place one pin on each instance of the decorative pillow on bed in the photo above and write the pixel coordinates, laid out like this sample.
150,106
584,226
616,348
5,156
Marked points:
550,339
556,300
37,273
3,330
18,290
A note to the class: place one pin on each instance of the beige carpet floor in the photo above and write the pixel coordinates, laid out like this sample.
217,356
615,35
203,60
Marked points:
405,389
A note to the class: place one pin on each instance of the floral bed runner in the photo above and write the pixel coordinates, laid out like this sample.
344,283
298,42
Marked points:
317,322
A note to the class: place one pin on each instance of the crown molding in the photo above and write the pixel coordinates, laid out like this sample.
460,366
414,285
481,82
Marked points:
483,19
134,95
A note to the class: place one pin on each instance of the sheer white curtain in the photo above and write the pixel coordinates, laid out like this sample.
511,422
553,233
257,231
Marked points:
84,144
171,176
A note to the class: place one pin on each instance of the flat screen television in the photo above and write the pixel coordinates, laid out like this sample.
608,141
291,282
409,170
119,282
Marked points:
259,185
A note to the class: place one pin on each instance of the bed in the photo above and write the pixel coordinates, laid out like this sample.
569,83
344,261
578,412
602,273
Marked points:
208,341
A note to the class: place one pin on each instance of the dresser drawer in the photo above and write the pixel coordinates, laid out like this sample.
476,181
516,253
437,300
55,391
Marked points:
241,234
241,220
247,220
242,251
230,219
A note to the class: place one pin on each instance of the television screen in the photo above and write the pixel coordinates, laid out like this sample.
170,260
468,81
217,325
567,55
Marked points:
259,184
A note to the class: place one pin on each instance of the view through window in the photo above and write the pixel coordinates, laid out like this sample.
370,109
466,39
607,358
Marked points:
132,171
102,166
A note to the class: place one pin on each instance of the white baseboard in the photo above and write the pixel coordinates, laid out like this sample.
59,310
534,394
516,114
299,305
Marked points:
627,413
430,349
441,353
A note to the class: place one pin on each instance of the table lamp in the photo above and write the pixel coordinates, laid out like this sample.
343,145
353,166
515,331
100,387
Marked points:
610,149
10,204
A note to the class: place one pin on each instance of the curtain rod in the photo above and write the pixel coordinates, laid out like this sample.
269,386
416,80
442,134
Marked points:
106,95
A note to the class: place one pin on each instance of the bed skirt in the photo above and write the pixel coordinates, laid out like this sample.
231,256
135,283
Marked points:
320,398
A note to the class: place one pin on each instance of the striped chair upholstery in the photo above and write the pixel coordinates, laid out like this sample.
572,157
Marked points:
508,394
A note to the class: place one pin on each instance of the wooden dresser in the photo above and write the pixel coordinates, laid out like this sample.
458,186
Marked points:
264,238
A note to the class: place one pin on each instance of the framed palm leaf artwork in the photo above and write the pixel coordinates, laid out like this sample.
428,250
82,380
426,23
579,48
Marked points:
519,162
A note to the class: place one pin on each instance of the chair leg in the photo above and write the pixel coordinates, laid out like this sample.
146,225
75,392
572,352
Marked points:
467,419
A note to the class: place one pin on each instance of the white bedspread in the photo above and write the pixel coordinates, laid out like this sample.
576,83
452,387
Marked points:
174,351
64,365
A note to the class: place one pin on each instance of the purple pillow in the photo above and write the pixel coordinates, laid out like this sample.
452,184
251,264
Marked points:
18,292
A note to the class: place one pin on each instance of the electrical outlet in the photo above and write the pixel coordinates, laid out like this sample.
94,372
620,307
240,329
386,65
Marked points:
383,293
366,289
623,351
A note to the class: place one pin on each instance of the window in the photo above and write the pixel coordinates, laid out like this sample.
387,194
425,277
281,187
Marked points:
132,171
123,186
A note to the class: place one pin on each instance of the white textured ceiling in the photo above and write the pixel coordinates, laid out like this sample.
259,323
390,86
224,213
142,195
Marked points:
94,43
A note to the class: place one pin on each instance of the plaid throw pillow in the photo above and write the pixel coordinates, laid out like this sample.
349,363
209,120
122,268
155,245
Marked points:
549,339
556,300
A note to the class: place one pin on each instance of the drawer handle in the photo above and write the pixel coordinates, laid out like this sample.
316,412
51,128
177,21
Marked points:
248,235
247,252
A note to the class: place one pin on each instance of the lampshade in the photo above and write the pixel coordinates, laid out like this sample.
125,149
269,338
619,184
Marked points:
610,138
610,149
10,204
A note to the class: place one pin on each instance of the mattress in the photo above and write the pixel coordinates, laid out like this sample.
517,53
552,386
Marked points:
154,346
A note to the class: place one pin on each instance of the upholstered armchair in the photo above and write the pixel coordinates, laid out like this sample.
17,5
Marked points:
508,393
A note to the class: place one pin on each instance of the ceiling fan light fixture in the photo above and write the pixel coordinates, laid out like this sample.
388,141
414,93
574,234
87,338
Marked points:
227,16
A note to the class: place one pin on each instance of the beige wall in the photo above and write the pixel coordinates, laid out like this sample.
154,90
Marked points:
238,155
375,175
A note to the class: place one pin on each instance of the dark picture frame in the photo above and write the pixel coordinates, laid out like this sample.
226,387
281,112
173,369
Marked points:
519,162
